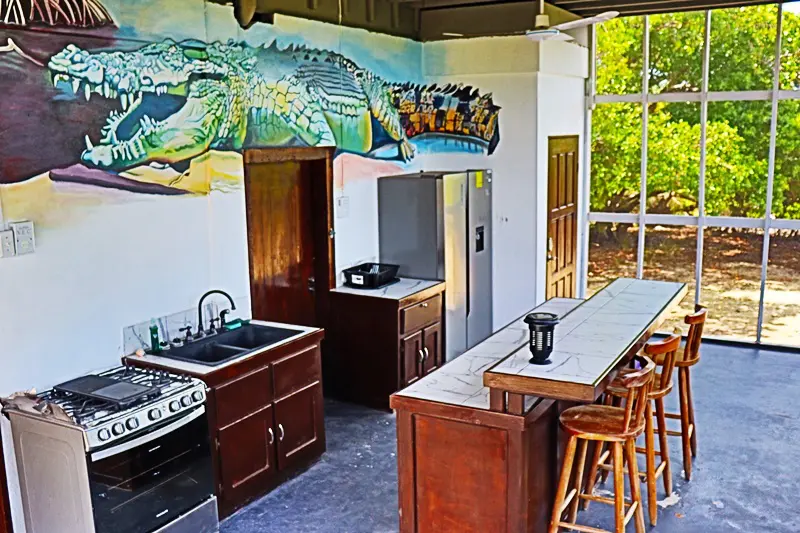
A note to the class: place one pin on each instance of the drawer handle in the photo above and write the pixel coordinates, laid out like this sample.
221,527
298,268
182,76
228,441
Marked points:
271,436
424,304
283,433
421,356
427,353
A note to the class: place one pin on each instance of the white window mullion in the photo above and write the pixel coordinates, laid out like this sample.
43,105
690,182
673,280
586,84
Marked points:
585,199
701,186
645,114
773,136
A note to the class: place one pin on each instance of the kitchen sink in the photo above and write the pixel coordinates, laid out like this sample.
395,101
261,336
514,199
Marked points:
223,347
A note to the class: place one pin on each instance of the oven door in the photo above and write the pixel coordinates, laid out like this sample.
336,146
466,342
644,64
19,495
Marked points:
145,482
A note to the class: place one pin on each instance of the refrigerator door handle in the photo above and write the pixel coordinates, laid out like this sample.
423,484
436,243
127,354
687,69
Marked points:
469,252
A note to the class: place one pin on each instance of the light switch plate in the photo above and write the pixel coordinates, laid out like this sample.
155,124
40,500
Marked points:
7,248
343,207
24,239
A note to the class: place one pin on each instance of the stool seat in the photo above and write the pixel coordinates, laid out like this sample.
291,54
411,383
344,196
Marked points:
599,422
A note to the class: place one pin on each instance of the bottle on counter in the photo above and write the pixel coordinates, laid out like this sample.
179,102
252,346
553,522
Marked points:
155,344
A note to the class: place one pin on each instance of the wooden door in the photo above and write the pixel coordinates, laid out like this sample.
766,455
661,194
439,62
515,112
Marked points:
562,216
247,456
5,511
299,424
281,241
411,354
432,345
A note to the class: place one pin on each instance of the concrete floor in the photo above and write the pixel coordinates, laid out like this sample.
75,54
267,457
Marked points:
746,477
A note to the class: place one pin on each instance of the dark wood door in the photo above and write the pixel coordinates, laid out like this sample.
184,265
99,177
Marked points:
247,456
432,346
299,424
5,511
281,241
411,354
562,216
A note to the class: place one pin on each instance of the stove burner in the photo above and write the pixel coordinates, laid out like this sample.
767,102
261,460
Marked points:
89,408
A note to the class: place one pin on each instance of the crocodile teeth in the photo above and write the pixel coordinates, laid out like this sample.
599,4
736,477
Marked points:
106,90
89,145
76,85
87,92
123,98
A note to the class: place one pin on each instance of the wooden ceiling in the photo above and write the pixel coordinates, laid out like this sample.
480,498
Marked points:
588,8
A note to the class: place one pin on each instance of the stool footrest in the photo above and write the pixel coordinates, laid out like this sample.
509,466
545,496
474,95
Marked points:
567,501
603,499
585,529
630,512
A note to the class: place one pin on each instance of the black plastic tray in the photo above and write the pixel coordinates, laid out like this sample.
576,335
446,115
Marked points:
364,276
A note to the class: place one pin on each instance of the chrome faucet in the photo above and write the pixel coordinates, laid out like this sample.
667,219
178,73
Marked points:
200,324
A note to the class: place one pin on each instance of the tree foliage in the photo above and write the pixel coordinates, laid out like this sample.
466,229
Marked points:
741,59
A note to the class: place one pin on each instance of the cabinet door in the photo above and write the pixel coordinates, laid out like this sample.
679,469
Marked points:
411,352
247,456
432,348
300,426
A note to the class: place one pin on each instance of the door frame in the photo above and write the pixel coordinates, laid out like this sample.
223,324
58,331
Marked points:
321,207
5,504
578,218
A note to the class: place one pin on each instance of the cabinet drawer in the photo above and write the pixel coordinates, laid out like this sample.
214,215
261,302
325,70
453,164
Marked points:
421,314
296,371
243,396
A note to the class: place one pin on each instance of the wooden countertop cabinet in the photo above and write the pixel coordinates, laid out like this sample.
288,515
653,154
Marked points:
266,419
376,346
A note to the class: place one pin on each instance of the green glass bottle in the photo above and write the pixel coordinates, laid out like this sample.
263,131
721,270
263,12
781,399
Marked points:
155,344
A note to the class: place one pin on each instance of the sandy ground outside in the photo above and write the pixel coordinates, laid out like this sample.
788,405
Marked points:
731,277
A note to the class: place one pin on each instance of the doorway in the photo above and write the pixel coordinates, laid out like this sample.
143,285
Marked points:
289,202
562,216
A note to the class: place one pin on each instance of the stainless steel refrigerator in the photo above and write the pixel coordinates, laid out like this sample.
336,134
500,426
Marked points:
438,225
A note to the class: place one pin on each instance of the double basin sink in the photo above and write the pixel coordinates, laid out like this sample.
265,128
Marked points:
222,347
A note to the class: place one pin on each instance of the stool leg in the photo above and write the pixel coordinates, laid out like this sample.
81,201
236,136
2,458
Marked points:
619,487
664,445
691,411
683,386
611,401
651,464
563,483
593,468
578,484
636,487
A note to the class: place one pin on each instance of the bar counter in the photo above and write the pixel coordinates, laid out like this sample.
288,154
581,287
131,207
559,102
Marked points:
479,441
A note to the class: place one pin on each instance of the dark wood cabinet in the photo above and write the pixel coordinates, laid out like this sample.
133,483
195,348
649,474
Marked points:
432,348
299,422
247,454
411,349
376,345
266,418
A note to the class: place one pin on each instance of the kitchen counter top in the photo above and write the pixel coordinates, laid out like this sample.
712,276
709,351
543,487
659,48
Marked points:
198,369
460,382
396,291
591,341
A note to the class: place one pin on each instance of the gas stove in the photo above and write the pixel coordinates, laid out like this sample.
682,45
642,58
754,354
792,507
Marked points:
120,402
129,446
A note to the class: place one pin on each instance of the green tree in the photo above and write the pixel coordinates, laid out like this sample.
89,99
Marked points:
741,58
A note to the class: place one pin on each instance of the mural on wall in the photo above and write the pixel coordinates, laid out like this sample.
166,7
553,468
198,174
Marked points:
108,107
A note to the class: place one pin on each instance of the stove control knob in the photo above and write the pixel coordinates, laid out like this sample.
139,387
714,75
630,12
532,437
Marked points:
174,406
132,423
118,429
155,414
104,434
186,401
197,396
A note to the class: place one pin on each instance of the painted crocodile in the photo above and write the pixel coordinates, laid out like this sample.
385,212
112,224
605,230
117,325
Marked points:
231,96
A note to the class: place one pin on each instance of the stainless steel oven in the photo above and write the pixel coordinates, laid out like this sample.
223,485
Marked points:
146,482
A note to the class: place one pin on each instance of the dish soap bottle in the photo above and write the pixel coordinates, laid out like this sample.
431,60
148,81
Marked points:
155,344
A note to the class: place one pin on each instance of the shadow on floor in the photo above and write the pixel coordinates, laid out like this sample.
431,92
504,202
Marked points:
745,478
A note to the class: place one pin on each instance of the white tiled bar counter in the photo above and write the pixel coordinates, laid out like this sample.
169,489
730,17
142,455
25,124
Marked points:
478,440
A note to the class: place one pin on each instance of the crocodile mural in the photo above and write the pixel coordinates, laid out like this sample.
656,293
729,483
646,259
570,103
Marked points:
181,99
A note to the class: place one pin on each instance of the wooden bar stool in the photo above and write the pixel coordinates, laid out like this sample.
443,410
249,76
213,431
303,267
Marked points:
664,352
689,357
618,426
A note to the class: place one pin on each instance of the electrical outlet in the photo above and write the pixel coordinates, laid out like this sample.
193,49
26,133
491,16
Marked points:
7,248
343,207
24,239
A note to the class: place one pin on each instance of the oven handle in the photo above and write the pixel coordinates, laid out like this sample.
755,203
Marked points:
144,439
